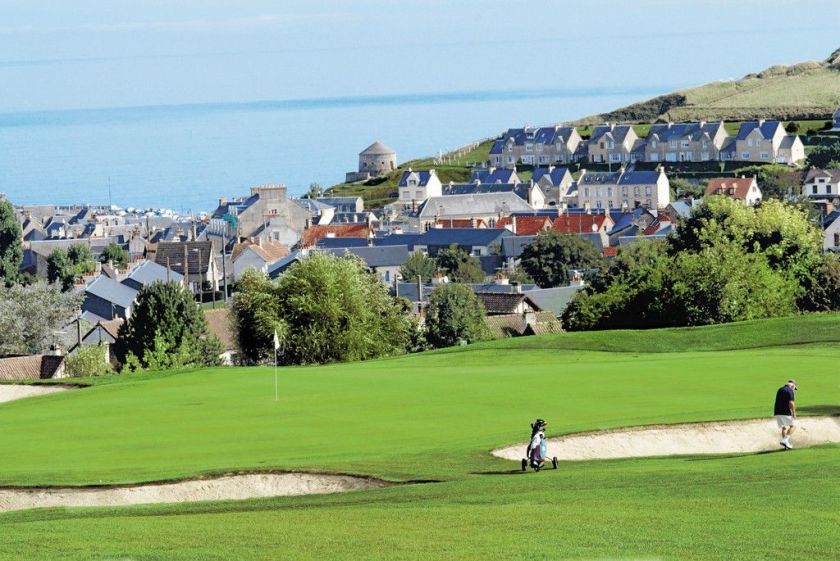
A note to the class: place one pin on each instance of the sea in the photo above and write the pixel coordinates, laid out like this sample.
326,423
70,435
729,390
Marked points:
184,157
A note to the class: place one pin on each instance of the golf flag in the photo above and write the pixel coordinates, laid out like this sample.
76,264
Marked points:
276,341
276,346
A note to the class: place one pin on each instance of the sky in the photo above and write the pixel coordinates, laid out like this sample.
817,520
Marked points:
95,53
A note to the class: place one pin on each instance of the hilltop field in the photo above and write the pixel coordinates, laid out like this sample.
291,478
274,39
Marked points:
427,423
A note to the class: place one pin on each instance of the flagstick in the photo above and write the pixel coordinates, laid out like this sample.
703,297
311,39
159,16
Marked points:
275,373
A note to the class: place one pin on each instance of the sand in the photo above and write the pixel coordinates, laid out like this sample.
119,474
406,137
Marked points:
11,392
231,487
730,437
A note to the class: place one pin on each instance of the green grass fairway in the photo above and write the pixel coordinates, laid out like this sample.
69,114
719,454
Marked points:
435,416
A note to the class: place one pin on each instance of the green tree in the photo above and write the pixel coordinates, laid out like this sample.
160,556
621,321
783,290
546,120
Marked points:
325,309
792,127
551,258
459,265
418,266
89,360
822,156
116,254
11,243
681,188
821,288
32,316
454,314
167,330
67,266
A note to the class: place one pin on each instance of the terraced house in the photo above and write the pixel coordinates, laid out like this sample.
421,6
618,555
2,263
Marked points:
766,141
615,144
685,142
624,189
541,146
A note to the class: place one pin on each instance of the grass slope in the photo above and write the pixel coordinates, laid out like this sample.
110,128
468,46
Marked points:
808,90
435,416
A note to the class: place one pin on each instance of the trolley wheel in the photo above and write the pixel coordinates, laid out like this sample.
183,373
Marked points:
554,462
537,467
524,464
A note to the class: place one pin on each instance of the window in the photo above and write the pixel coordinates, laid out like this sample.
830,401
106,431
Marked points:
814,192
419,194
406,194
586,191
609,192
610,144
539,147
836,240
821,180
510,147
653,144
745,155
749,142
609,204
705,143
765,156
673,144
412,183
649,203
654,157
647,190
685,144
510,159
529,147
615,157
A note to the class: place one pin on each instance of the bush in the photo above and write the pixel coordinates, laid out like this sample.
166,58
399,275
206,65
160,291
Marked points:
551,258
454,315
89,360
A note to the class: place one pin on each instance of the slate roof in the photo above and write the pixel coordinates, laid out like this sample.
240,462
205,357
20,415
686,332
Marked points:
521,190
472,205
619,132
788,141
833,175
555,300
600,178
692,131
332,243
341,203
495,175
280,266
830,218
149,272
398,239
638,177
422,178
683,207
112,291
767,128
623,220
554,175
464,237
198,255
512,246
383,256
735,187
498,146
31,367
376,149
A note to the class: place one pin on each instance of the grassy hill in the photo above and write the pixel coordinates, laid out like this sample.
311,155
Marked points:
435,416
808,90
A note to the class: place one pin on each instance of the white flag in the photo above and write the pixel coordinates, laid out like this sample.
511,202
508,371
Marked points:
276,341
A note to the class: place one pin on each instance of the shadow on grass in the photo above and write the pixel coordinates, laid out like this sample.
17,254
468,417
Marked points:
824,409
733,456
500,472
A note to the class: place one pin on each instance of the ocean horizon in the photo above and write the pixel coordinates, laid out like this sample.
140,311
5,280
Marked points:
184,157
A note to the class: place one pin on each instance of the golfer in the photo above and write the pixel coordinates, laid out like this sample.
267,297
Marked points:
785,411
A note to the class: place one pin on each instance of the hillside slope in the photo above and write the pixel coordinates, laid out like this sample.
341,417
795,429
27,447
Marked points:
807,90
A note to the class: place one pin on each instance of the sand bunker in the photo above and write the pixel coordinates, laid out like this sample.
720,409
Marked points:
728,437
232,487
11,392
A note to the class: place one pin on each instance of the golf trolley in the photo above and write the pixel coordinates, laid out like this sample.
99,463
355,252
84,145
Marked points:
537,451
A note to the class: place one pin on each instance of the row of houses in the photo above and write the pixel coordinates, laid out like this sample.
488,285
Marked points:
756,141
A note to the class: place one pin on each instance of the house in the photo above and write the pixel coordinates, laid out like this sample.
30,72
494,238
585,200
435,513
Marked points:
148,272
266,213
495,175
629,223
523,225
343,204
766,141
284,264
460,223
743,189
108,299
611,143
314,234
541,146
417,186
219,326
685,142
487,206
196,261
105,333
822,184
596,225
681,209
475,241
375,160
33,367
624,189
259,256
384,261
554,183
836,119
528,192
514,314
554,300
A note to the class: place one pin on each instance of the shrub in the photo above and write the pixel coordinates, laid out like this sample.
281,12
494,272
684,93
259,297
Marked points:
455,314
89,360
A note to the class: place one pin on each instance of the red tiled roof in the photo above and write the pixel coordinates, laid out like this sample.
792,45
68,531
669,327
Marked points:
31,367
737,188
579,223
610,251
525,225
270,251
314,234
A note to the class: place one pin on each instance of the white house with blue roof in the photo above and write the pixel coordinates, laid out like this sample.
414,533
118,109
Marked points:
625,189
417,186
767,141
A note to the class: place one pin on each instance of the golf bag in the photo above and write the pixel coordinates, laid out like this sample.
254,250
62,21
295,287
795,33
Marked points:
537,451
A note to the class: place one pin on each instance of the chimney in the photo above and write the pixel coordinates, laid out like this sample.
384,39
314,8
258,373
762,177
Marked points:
330,234
473,222
513,223
420,291
260,241
502,279
222,201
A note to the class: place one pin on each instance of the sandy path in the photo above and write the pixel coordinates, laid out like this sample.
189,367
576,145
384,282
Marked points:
11,392
232,487
757,435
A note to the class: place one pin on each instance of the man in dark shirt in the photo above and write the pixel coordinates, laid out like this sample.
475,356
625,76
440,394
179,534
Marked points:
785,411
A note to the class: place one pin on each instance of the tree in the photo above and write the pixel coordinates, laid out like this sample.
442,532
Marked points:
552,257
455,314
418,266
67,266
115,254
459,265
315,191
822,156
821,288
325,309
776,181
167,329
11,243
681,188
31,317
89,360
792,127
